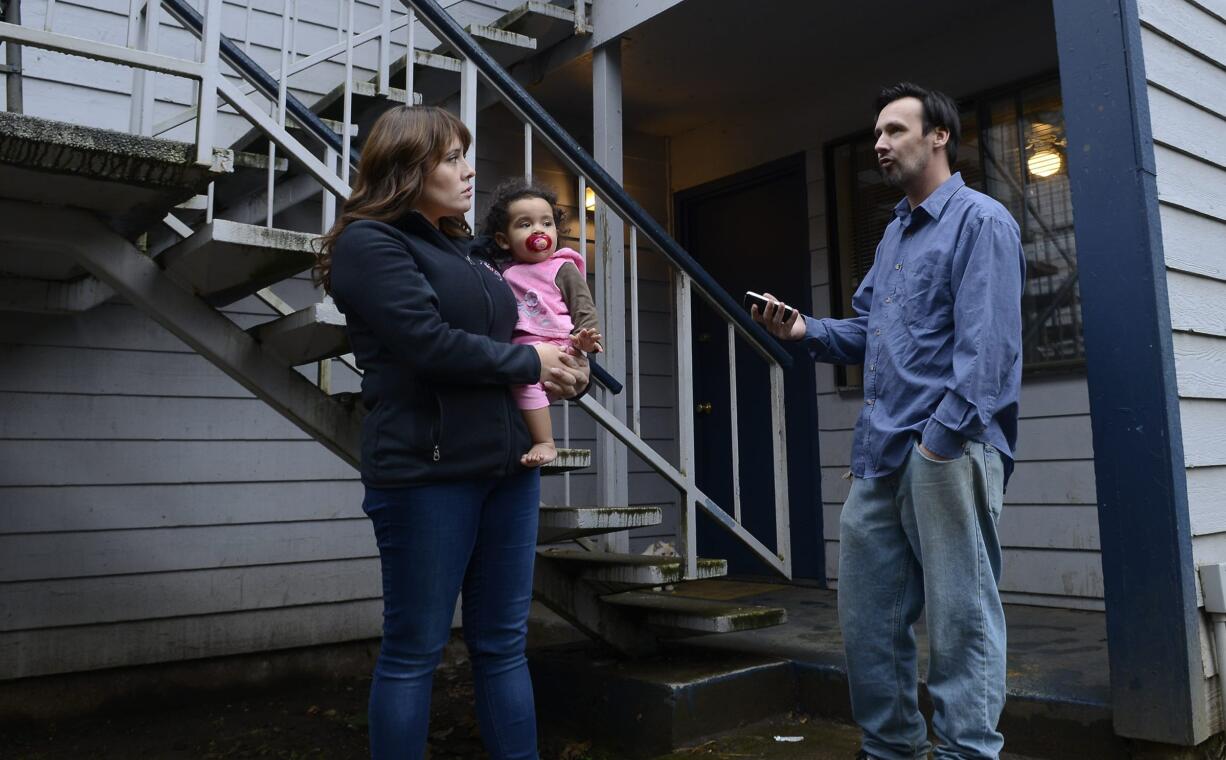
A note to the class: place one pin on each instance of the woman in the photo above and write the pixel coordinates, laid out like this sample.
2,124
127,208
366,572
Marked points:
452,507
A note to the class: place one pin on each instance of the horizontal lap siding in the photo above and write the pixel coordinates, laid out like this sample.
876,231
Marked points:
1184,47
1049,527
150,506
67,88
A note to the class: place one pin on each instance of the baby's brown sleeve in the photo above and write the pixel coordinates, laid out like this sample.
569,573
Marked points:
578,298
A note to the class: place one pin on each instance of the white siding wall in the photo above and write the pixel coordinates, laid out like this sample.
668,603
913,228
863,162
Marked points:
1184,47
63,87
1049,528
151,509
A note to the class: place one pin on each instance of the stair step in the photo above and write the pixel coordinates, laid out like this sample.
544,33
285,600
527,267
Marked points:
226,261
501,36
433,60
638,569
568,460
370,90
535,9
670,610
306,336
569,523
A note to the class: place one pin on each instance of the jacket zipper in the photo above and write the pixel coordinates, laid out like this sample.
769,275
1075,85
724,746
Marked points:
437,432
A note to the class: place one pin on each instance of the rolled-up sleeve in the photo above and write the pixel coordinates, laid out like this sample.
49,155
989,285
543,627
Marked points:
988,275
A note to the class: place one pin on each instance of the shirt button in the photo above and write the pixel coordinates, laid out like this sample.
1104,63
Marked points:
869,402
887,299
898,266
877,332
872,368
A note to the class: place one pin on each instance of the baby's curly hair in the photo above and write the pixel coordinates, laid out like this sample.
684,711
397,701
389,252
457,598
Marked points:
498,217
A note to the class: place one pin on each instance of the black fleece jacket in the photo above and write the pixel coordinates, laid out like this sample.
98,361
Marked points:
430,326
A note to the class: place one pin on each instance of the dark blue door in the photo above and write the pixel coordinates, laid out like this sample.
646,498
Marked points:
750,231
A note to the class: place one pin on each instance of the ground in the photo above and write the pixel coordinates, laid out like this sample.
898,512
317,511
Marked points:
327,719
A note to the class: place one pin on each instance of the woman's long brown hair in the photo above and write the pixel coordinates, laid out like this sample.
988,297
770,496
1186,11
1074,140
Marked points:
403,147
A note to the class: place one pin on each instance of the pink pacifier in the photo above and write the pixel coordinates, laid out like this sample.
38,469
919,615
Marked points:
539,242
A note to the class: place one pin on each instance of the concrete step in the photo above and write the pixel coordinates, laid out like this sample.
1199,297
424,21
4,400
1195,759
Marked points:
306,336
568,523
501,36
128,180
672,611
633,569
568,460
534,18
226,261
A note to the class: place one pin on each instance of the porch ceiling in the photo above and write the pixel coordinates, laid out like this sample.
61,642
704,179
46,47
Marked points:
708,60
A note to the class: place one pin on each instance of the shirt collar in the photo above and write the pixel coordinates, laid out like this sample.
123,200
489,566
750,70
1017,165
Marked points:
934,204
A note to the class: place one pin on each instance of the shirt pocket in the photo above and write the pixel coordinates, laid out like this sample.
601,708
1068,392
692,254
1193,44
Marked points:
927,301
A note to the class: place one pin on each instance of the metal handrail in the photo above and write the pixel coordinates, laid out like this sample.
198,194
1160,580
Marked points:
581,162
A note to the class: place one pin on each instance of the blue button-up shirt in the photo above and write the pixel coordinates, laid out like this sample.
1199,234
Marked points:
939,332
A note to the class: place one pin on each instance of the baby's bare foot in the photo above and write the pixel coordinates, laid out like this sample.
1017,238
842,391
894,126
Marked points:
539,454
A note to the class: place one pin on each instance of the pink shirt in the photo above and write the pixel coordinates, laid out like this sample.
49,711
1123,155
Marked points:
542,311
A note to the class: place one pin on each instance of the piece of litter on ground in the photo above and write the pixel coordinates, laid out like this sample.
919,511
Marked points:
789,738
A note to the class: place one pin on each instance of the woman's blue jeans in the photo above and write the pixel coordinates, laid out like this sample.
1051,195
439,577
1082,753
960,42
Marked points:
434,540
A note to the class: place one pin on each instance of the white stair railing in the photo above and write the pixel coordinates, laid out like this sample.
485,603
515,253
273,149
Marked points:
332,173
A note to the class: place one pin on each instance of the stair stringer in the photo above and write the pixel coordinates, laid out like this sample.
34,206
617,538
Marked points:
139,280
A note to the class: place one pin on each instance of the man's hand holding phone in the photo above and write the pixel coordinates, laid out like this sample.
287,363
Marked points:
779,319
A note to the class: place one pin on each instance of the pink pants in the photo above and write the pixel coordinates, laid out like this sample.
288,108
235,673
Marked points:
533,396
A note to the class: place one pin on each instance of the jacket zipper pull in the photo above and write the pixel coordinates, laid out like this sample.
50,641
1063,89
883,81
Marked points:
436,454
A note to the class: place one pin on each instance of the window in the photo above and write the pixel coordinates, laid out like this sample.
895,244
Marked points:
1014,149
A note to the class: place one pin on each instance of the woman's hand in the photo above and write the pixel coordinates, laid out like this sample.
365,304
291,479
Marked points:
562,375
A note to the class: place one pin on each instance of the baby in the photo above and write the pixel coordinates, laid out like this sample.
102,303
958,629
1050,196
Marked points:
550,286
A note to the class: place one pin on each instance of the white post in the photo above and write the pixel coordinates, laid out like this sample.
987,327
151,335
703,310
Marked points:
779,450
206,104
635,382
612,465
735,420
580,16
329,200
385,46
347,105
468,115
410,55
282,90
686,536
527,151
135,40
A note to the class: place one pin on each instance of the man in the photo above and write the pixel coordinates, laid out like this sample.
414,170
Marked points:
939,334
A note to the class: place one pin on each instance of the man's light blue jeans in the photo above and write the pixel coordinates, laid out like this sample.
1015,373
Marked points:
925,536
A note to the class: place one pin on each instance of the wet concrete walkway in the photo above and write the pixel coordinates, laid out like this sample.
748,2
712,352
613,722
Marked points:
1058,689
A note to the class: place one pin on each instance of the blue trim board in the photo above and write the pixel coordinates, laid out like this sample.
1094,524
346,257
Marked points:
1158,691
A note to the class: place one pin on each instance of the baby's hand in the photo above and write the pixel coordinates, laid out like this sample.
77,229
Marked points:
587,340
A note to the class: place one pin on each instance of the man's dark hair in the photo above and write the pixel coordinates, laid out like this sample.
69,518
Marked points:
939,111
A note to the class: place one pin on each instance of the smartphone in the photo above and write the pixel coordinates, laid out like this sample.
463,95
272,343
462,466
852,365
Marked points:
761,301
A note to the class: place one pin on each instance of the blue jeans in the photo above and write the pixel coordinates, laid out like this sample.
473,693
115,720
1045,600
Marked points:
925,535
478,535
